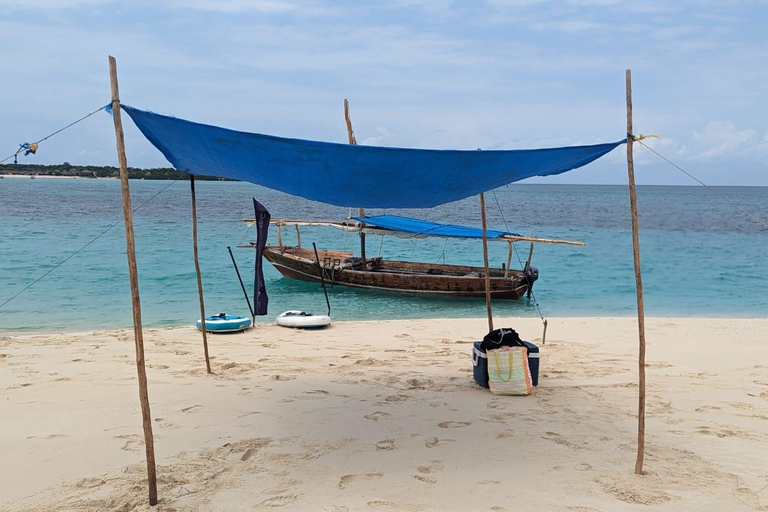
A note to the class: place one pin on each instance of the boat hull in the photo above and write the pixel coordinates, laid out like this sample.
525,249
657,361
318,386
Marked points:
396,276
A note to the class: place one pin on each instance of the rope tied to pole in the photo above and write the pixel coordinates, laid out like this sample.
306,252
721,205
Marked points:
697,180
30,285
520,260
31,147
638,138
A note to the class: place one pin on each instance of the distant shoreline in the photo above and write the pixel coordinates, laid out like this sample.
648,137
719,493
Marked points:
51,176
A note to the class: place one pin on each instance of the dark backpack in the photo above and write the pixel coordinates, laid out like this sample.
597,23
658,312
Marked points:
502,338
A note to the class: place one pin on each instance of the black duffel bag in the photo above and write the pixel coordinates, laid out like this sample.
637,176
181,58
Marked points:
502,338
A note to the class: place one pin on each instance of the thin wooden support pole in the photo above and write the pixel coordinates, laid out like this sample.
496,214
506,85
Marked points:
638,284
133,273
530,256
197,271
353,141
298,236
485,261
509,259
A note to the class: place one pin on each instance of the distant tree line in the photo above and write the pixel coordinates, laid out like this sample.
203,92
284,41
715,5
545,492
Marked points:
93,171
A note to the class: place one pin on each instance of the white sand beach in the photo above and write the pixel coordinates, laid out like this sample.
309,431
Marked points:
385,416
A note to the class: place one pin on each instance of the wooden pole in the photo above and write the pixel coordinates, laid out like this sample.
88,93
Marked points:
197,271
149,443
638,284
530,256
353,141
485,261
509,259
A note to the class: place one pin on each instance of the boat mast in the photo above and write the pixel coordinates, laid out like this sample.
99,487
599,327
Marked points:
485,262
351,136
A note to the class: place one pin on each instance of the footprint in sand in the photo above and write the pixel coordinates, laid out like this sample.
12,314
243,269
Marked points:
89,483
418,383
396,398
557,438
164,424
192,408
249,454
386,444
434,441
376,416
454,424
282,377
403,335
429,469
348,479
277,501
133,442
391,505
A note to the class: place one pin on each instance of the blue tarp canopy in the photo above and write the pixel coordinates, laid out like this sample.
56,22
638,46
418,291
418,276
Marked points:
427,228
347,175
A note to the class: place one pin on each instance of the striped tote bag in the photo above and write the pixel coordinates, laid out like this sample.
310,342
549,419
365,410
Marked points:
508,371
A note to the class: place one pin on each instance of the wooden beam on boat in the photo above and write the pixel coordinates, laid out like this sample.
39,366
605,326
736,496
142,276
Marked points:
356,226
509,259
638,284
149,442
534,239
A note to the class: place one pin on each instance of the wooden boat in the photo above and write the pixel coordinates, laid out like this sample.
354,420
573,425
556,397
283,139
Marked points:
344,269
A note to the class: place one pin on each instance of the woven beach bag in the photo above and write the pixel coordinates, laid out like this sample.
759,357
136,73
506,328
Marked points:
508,371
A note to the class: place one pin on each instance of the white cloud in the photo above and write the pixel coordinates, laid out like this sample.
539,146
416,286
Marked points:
379,140
721,139
49,5
275,7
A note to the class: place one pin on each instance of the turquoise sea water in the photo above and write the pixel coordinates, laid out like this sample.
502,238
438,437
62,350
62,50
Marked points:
700,256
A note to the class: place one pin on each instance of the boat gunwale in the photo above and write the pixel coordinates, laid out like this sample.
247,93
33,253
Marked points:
285,251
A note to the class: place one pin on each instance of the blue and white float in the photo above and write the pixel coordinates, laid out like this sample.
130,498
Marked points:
224,323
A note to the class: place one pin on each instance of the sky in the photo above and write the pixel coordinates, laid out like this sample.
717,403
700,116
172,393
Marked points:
490,74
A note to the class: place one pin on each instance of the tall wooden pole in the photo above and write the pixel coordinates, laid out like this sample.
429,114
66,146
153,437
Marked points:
638,284
197,271
485,261
351,137
133,273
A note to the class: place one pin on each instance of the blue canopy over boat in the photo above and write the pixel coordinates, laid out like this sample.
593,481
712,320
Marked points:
427,228
351,175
